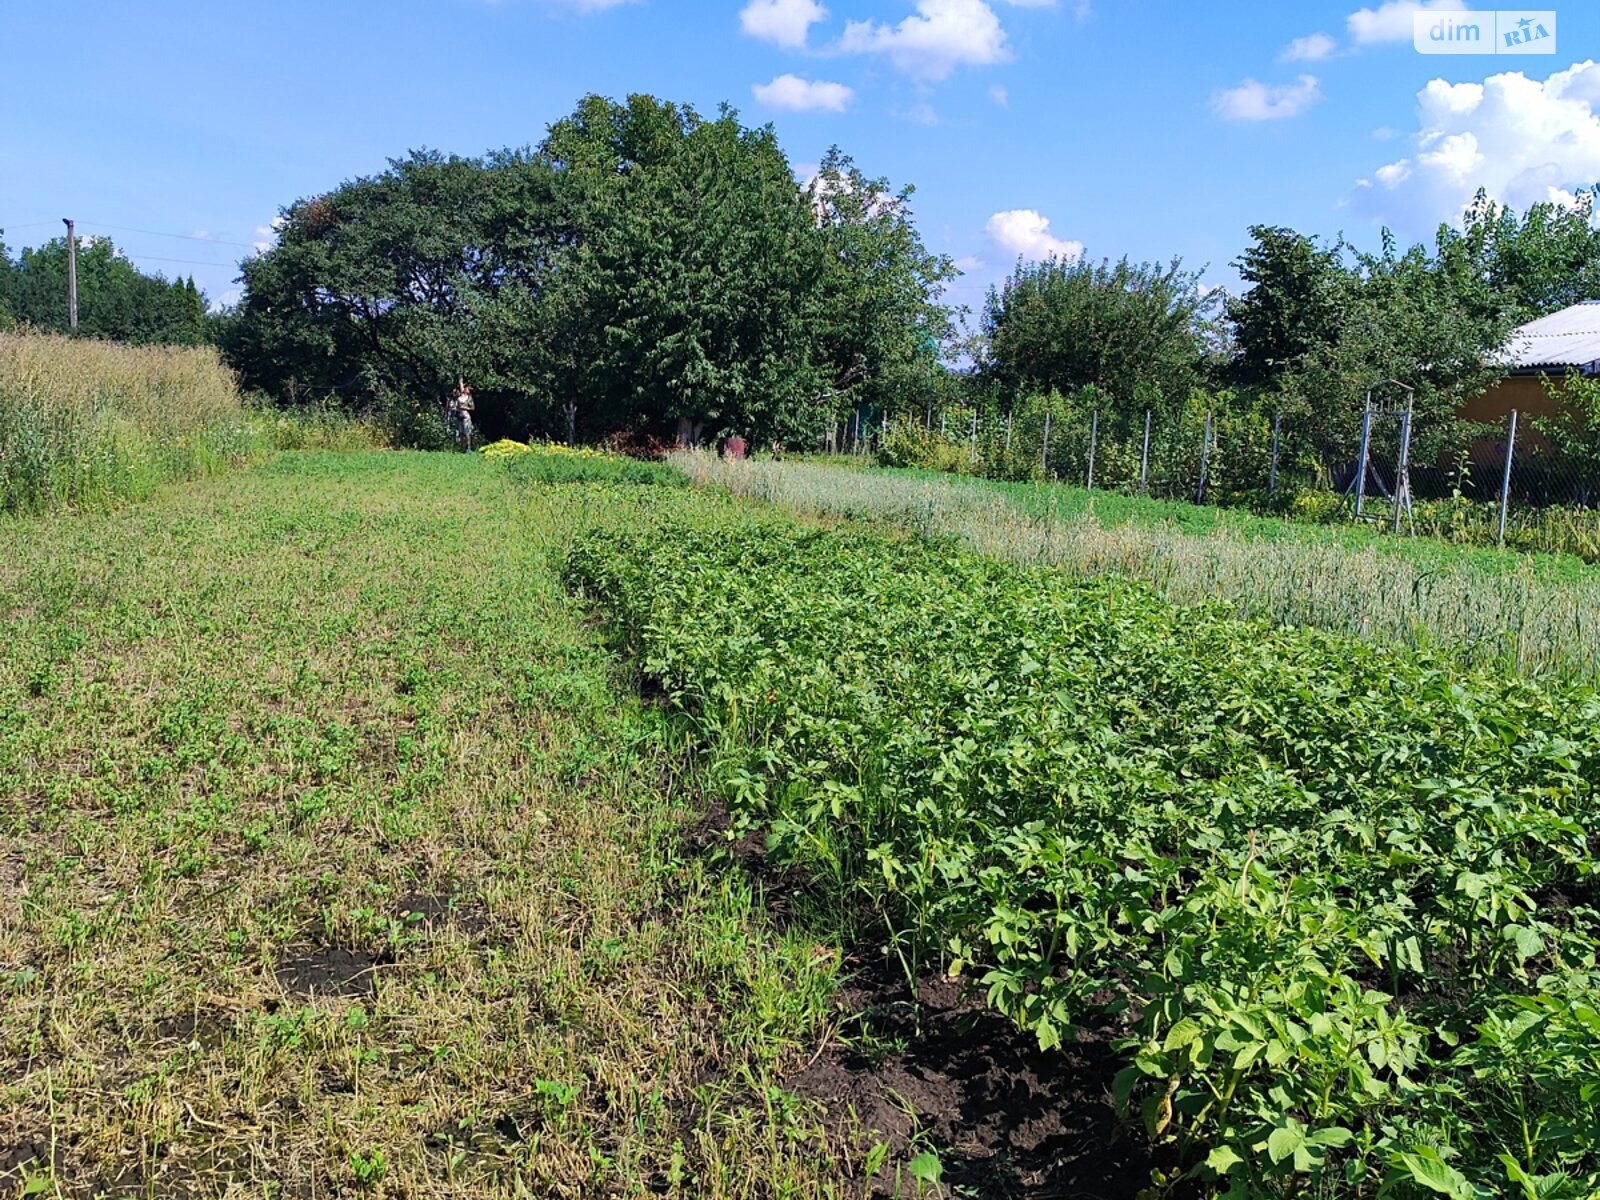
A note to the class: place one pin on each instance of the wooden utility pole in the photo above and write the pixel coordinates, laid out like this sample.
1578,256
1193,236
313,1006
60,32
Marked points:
72,272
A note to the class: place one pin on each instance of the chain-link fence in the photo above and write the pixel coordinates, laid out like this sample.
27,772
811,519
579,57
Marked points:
1500,483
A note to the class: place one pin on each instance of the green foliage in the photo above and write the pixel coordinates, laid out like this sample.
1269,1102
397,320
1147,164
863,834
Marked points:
1321,328
116,300
689,300
880,327
537,467
660,271
1574,428
1292,305
1545,261
1140,332
1337,906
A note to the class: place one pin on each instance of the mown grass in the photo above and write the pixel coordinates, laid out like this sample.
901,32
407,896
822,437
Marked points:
334,860
1535,614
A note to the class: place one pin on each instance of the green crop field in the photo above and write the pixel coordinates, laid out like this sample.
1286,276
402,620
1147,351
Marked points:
406,824
1533,614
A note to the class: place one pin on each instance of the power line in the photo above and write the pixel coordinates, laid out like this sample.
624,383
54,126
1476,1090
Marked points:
188,262
188,237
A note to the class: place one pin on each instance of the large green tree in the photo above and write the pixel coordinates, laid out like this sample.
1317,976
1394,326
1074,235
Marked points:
1293,303
1139,333
644,266
396,285
883,326
692,294
1544,260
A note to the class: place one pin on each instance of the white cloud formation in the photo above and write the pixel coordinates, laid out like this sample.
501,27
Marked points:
1391,22
803,95
1311,48
1522,140
1255,101
931,43
785,22
1000,96
967,263
1026,232
266,235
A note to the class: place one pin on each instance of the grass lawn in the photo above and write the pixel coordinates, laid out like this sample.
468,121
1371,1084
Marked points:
336,859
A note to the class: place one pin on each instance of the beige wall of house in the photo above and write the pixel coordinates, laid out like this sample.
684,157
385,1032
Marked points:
1525,393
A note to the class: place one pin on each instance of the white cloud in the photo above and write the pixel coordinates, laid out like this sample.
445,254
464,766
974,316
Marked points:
1000,96
1026,232
1522,140
201,235
267,234
1391,22
1083,10
786,22
970,262
939,37
1311,48
1254,101
802,95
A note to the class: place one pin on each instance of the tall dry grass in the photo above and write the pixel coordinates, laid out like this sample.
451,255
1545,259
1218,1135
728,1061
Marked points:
1537,623
86,423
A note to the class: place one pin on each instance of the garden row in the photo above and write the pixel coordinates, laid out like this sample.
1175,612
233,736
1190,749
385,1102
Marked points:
1337,907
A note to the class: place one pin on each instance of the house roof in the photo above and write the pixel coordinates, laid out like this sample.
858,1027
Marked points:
1565,339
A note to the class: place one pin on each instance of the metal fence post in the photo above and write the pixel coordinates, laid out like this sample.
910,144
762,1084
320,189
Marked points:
1094,436
1009,417
1505,476
1402,474
973,441
1205,460
1045,453
1144,456
1361,467
944,419
1272,470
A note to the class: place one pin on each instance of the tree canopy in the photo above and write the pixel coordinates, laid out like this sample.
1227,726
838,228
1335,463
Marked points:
655,269
1140,333
116,300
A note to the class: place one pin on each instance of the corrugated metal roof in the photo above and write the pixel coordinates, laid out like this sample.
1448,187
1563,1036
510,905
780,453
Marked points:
1569,338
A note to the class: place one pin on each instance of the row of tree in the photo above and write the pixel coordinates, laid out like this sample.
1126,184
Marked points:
116,300
643,268
1315,329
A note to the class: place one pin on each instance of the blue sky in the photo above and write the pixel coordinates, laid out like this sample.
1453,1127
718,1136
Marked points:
1147,127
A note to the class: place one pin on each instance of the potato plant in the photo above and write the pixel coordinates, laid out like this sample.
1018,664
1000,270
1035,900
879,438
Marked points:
1337,905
